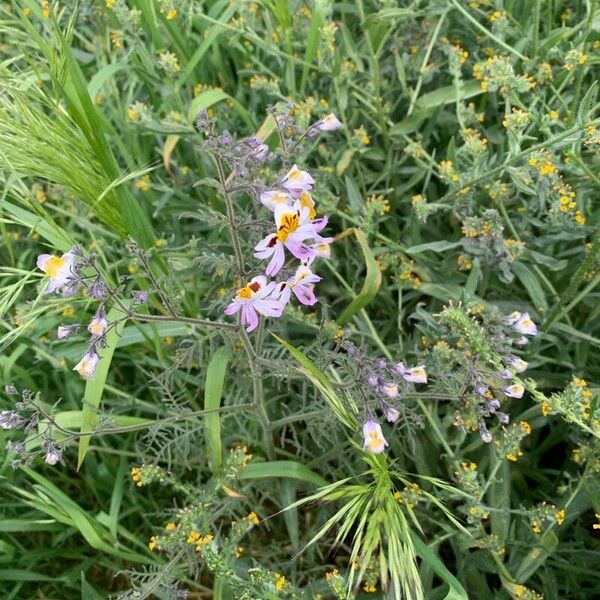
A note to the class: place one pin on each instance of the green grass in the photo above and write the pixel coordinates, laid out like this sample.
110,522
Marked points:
462,187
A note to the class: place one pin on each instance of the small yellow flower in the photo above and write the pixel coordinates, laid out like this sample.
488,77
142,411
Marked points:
279,581
253,518
597,525
525,427
193,537
143,183
170,526
68,311
330,574
239,551
547,169
560,516
203,541
171,14
369,588
153,542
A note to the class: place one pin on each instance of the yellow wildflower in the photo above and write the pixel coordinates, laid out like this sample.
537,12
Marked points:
253,518
279,581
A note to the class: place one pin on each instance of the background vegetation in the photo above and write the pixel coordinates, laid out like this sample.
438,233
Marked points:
462,187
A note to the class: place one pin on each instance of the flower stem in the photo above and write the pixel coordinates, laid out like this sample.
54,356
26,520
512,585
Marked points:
239,258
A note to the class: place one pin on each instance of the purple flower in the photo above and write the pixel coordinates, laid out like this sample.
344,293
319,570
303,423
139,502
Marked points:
390,390
484,433
9,419
391,414
255,297
297,181
58,268
492,405
293,228
518,364
66,331
373,436
481,389
514,391
301,284
53,455
328,123
503,418
97,290
260,152
373,381
86,367
99,324
414,375
522,323
140,297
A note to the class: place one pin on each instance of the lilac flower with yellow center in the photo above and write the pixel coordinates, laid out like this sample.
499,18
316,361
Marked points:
328,123
294,227
414,375
522,323
390,390
58,268
86,367
321,249
301,284
256,297
514,391
518,364
373,436
99,324
297,181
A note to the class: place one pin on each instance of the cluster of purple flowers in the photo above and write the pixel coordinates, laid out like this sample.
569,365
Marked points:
522,325
297,233
66,275
387,382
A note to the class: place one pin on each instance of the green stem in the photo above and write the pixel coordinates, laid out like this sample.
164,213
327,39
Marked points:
434,36
487,32
239,258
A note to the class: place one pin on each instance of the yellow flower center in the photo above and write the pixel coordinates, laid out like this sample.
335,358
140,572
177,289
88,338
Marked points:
294,174
289,224
374,442
53,265
96,328
247,292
